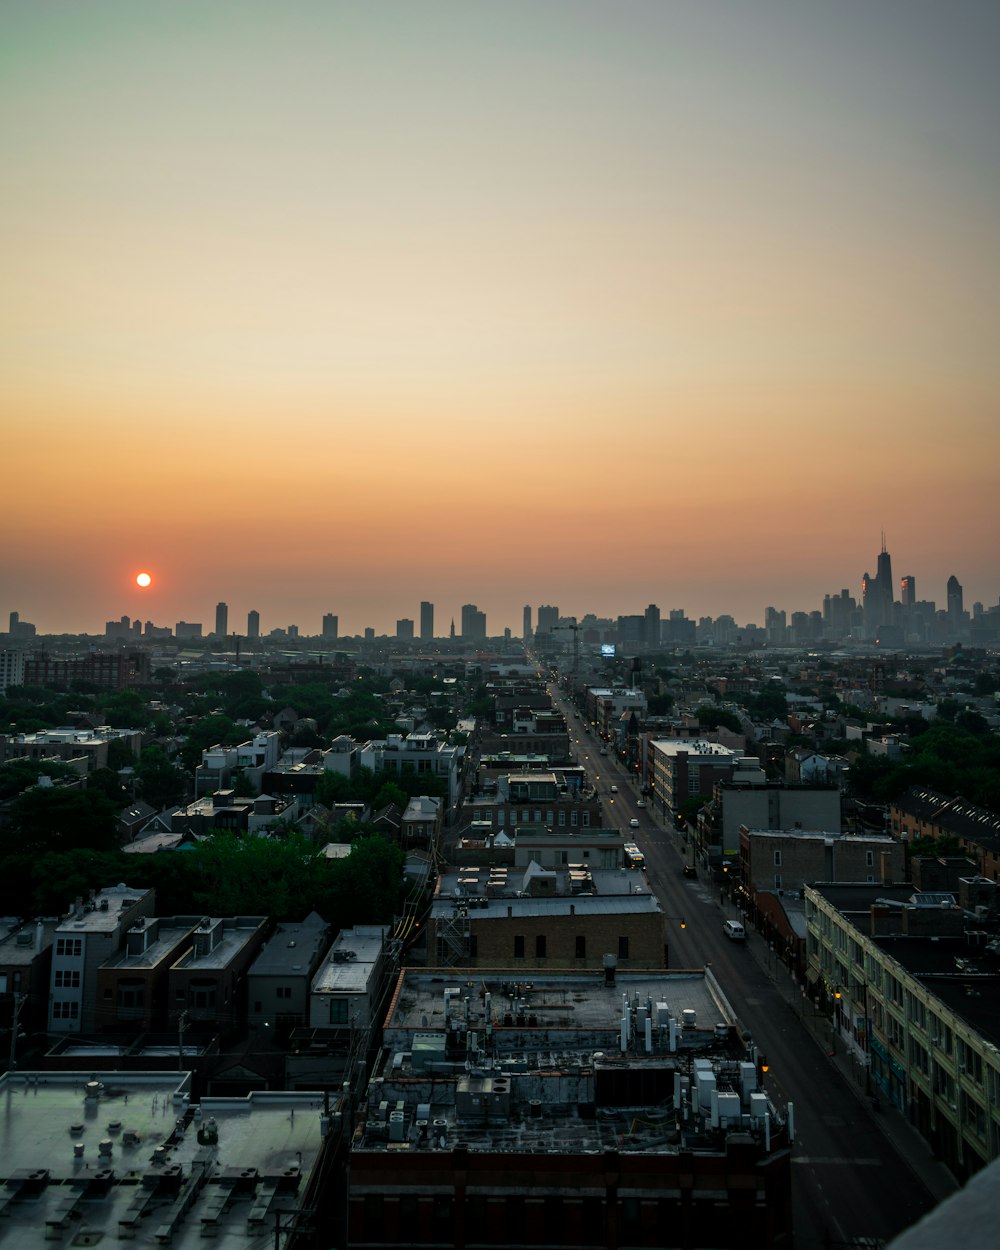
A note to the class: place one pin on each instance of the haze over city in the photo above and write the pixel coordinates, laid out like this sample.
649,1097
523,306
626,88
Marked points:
328,308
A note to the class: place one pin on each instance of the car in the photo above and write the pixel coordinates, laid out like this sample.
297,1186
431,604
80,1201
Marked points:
690,870
641,803
614,789
633,823
734,931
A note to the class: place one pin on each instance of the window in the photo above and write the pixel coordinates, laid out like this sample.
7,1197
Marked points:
538,816
548,818
66,979
473,945
586,820
338,1011
65,1011
777,880
573,817
562,817
623,948
581,946
519,947
777,859
540,946
501,816
869,859
131,994
283,991
69,946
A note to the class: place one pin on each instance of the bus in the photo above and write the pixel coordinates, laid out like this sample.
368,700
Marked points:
634,858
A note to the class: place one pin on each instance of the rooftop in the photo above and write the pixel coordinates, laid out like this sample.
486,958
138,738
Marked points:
121,1156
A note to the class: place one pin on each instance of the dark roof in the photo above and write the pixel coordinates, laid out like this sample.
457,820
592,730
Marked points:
954,815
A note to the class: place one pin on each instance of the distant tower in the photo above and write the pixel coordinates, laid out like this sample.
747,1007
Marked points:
548,619
404,630
426,621
653,629
527,621
908,590
221,620
253,624
956,598
473,622
331,626
452,634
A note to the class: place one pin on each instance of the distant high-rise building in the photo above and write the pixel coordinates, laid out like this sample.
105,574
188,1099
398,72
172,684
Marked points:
331,626
908,590
877,594
426,621
527,621
187,629
369,633
548,619
404,630
292,631
253,624
221,620
653,629
956,600
473,622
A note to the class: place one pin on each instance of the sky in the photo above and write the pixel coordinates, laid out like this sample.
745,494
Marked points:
334,307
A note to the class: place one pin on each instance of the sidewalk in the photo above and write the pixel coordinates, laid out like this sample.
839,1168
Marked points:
906,1141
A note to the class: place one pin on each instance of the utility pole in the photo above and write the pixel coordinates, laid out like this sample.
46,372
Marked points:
19,1002
182,1023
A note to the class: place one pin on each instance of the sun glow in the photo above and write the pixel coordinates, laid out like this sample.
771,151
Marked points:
143,580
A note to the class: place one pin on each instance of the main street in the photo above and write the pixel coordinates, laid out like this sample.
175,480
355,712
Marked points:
848,1181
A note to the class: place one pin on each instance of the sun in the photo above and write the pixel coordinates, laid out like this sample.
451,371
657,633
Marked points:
143,580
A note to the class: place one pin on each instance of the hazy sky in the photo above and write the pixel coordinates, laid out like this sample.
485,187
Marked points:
327,306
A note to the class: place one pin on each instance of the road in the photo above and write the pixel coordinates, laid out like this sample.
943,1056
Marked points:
848,1181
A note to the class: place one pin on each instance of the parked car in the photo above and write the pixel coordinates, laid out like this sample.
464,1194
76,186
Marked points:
633,823
690,870
734,931
614,789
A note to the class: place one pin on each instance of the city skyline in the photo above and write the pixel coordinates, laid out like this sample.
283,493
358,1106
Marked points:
328,308
953,597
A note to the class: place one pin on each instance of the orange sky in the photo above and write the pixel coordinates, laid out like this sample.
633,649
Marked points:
326,308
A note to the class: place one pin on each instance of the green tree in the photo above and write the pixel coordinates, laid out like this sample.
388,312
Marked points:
53,819
711,717
126,710
106,782
390,792
162,785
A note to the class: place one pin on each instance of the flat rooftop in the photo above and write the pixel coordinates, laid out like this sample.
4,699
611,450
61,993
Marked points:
88,1161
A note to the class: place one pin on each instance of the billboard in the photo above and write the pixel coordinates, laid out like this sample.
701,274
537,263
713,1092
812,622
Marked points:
608,650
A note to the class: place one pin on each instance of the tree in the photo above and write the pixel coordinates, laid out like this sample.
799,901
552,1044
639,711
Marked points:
659,704
208,732
333,788
389,793
107,783
711,717
53,819
126,710
162,785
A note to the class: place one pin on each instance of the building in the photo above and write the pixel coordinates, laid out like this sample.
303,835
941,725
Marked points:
132,984
910,981
11,668
570,1110
88,745
221,620
404,630
547,619
426,621
348,990
536,797
815,807
680,769
331,626
253,623
209,980
253,757
784,861
956,606
925,813
421,753
420,824
25,974
116,670
535,917
187,630
473,623
280,978
526,627
908,591
128,1156
90,935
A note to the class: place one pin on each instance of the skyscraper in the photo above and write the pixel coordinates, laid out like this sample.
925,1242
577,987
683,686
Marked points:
653,629
426,621
908,590
956,601
473,622
253,624
877,594
331,625
221,620
527,621
548,619
404,630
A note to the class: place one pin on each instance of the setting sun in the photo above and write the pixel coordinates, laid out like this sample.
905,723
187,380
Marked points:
143,579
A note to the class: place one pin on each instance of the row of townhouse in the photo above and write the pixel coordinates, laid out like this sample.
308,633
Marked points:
113,966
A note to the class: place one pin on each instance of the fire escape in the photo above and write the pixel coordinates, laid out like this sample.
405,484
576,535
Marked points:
453,938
